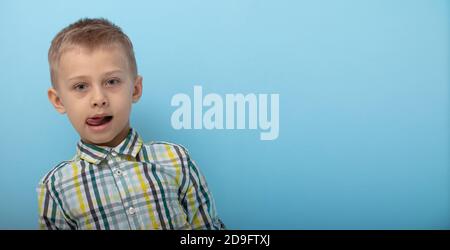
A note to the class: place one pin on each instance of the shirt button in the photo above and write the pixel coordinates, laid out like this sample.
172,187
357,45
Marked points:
118,172
131,210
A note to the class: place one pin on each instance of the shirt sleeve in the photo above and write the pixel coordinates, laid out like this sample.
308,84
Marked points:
198,201
51,216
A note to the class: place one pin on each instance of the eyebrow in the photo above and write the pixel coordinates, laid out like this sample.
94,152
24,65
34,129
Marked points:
104,75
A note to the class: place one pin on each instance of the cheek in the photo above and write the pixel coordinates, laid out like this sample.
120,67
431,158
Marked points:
122,105
75,110
75,115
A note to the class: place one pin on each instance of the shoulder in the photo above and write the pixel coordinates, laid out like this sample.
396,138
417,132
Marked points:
59,171
167,147
163,151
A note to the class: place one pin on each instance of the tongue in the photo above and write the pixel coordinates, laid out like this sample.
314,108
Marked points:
96,121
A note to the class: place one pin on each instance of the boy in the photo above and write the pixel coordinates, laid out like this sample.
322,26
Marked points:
115,180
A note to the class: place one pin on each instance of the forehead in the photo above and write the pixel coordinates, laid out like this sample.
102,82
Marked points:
78,60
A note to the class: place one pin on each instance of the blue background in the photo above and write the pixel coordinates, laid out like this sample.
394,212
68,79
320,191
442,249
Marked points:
364,105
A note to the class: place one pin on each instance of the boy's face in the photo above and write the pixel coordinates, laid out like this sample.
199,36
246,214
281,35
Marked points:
96,89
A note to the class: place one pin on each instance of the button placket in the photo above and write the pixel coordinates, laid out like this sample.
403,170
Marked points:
118,172
131,211
121,181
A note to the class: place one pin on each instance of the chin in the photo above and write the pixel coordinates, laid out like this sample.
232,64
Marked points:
99,139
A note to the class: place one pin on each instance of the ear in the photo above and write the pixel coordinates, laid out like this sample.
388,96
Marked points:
137,89
56,100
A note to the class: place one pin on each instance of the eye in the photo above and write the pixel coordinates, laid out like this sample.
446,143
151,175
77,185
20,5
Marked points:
80,86
113,82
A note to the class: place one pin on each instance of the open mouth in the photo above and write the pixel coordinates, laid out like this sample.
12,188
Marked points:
98,121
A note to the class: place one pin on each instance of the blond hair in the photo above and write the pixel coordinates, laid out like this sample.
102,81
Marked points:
90,34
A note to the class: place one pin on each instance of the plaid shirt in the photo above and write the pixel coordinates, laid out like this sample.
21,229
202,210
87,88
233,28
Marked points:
134,185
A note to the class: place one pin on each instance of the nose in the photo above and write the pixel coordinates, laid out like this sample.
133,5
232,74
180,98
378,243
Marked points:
99,99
